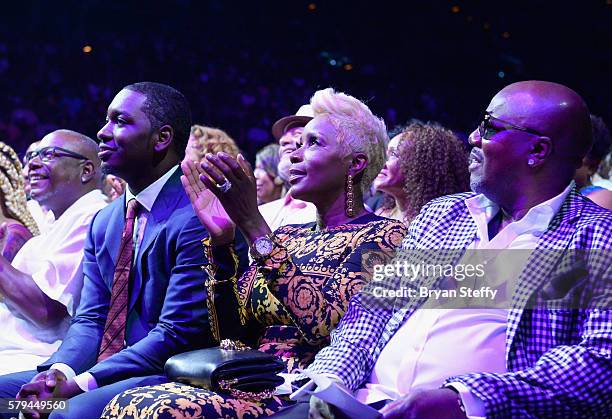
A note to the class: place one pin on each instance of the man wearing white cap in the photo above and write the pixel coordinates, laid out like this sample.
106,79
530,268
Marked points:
287,210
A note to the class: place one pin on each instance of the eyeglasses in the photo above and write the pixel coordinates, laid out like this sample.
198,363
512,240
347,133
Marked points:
48,154
486,130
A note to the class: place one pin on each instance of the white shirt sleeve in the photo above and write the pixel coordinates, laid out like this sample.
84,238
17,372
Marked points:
54,259
86,382
64,368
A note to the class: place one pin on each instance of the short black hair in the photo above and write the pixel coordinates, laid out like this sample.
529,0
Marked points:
166,106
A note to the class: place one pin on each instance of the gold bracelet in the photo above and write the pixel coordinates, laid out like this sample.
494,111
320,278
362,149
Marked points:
233,345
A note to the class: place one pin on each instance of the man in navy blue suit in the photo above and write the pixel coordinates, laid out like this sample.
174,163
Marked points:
110,348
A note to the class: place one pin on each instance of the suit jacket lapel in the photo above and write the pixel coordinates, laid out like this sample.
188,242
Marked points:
112,236
543,260
167,200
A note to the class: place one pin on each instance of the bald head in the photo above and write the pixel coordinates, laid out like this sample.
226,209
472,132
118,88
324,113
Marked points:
552,109
77,142
61,178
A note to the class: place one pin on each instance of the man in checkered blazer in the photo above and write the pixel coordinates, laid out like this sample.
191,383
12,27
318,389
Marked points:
558,339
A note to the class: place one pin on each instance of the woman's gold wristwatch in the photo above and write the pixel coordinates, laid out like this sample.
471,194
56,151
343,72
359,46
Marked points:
262,246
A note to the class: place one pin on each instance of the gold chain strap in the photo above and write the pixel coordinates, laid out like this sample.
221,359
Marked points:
226,385
233,345
244,395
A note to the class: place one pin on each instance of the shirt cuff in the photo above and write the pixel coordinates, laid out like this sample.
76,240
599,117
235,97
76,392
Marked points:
86,382
64,368
474,406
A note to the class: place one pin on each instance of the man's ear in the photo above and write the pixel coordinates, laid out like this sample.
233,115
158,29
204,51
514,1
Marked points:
540,150
88,171
358,164
164,138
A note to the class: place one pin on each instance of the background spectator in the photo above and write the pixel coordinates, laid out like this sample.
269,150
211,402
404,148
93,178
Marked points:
16,224
269,184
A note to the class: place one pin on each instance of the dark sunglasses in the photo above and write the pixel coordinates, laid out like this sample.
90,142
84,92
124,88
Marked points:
486,130
48,154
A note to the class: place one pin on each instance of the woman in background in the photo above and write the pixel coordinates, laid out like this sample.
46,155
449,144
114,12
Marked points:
269,184
424,161
16,223
588,181
204,140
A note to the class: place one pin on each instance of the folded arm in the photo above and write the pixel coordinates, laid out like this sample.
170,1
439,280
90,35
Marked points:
24,297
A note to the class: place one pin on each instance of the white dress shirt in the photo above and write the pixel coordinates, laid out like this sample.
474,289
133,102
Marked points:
287,210
43,218
53,260
435,344
146,198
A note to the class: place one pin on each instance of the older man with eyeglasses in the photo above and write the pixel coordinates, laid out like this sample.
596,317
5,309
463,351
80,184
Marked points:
40,290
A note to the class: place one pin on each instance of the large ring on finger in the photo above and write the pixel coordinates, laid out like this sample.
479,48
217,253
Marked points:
225,186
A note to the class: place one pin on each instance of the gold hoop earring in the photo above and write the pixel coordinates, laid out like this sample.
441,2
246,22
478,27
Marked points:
349,195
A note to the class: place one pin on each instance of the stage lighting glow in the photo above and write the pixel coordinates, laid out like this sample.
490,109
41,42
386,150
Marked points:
455,9
501,74
87,49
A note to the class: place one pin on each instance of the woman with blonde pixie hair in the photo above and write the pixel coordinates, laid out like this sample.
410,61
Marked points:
303,276
16,223
204,140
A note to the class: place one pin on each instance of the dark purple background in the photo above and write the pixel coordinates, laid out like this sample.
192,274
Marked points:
245,64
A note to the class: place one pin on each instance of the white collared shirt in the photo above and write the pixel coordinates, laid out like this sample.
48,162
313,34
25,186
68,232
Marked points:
287,210
434,344
146,198
53,260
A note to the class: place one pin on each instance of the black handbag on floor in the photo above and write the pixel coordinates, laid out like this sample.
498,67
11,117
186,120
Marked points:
232,367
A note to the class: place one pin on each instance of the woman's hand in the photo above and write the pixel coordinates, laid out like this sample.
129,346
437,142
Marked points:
240,199
207,207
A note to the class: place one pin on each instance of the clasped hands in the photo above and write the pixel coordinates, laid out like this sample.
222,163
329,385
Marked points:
44,386
220,210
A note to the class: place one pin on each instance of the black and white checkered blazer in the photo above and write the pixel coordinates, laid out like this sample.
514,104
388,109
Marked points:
558,360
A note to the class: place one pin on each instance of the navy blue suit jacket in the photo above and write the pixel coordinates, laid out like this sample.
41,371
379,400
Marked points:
167,310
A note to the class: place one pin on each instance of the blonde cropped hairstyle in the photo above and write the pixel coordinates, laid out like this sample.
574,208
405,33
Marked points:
359,130
12,191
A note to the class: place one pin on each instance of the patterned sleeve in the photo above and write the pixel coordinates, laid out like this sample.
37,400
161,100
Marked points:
316,305
572,379
350,354
567,381
222,268
222,261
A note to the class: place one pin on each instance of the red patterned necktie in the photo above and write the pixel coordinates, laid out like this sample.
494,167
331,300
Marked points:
114,329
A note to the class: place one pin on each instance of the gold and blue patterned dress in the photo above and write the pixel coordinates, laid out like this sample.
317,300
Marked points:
288,303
